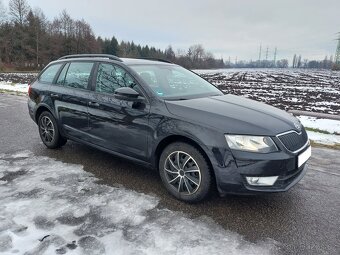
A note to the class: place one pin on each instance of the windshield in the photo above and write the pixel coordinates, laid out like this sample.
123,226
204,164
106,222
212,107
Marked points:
174,82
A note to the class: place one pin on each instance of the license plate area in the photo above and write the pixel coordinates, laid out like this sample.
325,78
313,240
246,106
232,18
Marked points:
304,156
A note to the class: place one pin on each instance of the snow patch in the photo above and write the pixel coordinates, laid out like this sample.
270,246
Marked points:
50,207
331,126
14,87
327,139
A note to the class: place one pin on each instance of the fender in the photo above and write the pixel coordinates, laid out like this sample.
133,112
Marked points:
45,106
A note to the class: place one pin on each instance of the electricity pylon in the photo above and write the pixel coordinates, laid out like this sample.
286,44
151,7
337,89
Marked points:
337,54
275,52
260,52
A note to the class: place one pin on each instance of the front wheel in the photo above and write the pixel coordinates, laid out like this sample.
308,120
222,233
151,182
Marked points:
49,132
185,172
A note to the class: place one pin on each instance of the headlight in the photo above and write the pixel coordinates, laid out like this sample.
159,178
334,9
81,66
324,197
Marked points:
260,144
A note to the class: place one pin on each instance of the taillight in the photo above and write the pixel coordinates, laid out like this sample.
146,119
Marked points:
29,89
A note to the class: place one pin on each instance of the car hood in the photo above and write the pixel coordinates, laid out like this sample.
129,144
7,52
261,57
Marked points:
234,115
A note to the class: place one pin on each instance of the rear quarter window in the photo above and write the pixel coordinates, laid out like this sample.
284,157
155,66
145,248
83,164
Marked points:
78,75
48,75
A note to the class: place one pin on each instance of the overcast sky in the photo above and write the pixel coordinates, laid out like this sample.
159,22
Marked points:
226,28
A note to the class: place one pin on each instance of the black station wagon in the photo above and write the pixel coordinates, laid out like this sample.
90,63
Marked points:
170,119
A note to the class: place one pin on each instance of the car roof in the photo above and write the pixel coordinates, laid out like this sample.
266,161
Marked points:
111,58
141,61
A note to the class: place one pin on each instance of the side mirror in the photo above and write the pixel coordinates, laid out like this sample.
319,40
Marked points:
126,93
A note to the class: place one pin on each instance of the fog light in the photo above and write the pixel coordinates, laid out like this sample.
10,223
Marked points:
262,181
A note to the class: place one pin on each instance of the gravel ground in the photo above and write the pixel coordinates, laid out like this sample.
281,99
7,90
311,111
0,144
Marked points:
304,220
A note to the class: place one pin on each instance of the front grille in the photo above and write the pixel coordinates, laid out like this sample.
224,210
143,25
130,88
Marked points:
294,141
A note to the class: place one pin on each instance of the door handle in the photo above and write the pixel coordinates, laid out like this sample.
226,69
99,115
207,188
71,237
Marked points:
94,104
54,95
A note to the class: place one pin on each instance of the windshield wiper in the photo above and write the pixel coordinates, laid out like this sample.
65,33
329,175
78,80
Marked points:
176,99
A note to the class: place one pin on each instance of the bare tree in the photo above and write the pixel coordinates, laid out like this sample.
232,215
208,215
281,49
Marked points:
18,10
36,26
197,52
67,24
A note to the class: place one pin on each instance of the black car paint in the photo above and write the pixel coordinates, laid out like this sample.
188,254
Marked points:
138,131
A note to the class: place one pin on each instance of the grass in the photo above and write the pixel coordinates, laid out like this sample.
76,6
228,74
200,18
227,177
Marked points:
318,130
321,131
334,146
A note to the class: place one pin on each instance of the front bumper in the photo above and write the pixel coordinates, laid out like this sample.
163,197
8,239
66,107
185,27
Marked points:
231,177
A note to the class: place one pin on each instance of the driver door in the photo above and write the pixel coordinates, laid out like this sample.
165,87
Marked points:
116,124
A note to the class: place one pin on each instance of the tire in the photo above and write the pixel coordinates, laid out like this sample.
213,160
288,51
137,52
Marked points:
49,132
191,179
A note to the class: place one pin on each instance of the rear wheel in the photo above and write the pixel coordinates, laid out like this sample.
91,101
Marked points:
185,172
49,132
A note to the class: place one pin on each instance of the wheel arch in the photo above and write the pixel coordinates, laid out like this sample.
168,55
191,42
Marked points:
178,138
42,108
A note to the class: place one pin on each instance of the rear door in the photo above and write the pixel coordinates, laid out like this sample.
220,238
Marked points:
71,97
116,124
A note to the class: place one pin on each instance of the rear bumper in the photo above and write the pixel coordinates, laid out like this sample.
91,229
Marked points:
31,109
231,178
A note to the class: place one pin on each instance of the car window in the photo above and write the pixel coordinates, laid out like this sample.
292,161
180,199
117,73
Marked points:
78,75
110,77
62,75
174,82
48,75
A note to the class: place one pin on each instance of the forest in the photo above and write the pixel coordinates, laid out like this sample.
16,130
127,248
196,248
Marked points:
29,41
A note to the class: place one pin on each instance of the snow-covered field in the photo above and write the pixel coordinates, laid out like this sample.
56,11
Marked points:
288,89
50,207
22,78
17,82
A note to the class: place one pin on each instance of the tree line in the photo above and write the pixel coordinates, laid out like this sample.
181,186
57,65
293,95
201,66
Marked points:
326,63
297,62
29,41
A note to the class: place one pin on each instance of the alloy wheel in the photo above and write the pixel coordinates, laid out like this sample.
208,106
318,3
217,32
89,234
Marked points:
47,129
182,172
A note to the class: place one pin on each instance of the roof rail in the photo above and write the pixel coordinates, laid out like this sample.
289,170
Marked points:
158,59
112,57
